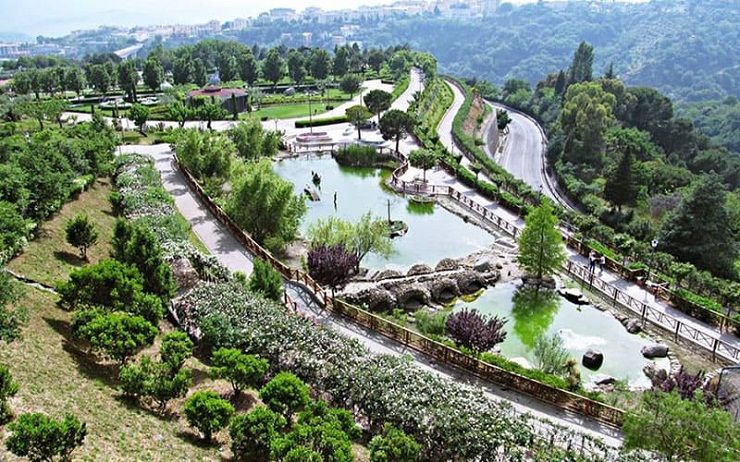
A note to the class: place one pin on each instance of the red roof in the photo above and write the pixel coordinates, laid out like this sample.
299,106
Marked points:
219,92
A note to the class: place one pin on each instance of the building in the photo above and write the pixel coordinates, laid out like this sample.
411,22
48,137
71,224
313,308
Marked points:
230,99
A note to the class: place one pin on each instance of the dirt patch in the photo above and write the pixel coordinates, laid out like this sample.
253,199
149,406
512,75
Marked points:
477,111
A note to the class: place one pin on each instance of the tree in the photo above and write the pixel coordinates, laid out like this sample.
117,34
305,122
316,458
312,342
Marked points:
350,83
154,380
266,280
250,140
272,66
117,335
285,394
252,433
395,125
240,369
182,71
375,59
41,438
200,73
264,205
560,83
248,68
423,159
128,78
581,68
367,235
681,429
8,389
206,155
378,101
541,250
136,245
81,233
207,412
153,73
139,114
179,112
550,356
357,116
47,109
699,230
502,119
341,62
210,112
74,79
320,64
393,446
620,183
175,349
296,66
472,330
100,79
228,68
331,265
11,318
587,113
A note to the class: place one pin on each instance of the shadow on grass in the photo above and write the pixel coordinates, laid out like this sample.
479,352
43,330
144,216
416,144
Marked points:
69,258
142,405
87,363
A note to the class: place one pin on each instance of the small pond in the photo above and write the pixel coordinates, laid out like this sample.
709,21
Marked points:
434,233
531,314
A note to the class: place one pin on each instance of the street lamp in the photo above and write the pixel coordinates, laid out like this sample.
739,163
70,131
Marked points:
310,113
653,245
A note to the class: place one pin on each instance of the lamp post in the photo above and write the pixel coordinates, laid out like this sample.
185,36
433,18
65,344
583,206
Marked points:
653,245
310,113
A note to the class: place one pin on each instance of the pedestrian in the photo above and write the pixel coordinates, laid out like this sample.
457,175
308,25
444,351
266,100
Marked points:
591,261
602,262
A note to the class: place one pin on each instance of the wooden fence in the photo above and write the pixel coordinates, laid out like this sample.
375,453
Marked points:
717,347
561,398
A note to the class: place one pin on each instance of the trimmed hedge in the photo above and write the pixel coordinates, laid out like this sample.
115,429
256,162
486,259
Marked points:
320,122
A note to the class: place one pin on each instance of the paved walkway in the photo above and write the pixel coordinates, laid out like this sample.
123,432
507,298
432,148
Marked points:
438,176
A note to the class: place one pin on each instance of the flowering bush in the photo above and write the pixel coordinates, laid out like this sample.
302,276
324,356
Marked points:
472,330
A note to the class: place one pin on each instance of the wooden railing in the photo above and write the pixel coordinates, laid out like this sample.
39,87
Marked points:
679,329
560,398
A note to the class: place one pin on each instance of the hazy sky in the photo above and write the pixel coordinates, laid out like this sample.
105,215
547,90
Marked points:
58,17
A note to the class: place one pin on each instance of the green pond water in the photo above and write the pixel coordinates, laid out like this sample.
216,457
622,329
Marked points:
434,233
531,314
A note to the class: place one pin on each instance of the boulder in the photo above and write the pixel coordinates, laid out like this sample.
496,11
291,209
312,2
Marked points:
444,290
484,264
412,296
633,326
419,269
654,350
652,371
186,277
470,282
387,274
574,296
447,264
592,359
375,299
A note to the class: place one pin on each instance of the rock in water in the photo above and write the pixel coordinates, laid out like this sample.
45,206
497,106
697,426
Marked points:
633,326
593,359
654,350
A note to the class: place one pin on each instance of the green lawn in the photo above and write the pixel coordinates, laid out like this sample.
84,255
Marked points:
48,258
287,111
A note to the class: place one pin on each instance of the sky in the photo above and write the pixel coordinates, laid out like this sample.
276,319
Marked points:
59,17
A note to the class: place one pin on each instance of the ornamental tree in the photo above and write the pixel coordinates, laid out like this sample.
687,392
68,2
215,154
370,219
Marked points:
331,265
208,412
541,249
350,83
285,394
175,349
266,280
423,159
252,433
154,380
41,438
395,125
471,329
153,73
117,335
357,116
81,233
240,369
273,66
368,235
139,114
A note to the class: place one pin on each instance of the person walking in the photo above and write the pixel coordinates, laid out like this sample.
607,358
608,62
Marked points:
591,261
602,263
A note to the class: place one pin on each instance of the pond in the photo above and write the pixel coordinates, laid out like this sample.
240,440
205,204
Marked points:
531,314
434,233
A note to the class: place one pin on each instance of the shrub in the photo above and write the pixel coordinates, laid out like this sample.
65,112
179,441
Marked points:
550,355
218,331
240,369
154,380
393,446
321,122
357,155
175,349
331,265
472,330
251,434
266,280
8,389
208,412
117,335
430,323
285,394
40,438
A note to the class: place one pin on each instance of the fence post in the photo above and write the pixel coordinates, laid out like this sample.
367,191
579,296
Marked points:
714,349
642,316
678,326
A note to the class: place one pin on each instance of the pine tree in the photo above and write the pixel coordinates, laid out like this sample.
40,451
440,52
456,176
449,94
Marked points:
560,83
581,67
541,250
620,183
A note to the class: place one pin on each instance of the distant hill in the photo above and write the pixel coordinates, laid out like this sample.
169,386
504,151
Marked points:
690,50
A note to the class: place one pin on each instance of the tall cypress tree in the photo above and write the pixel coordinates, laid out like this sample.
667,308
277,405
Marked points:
581,67
620,183
541,249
